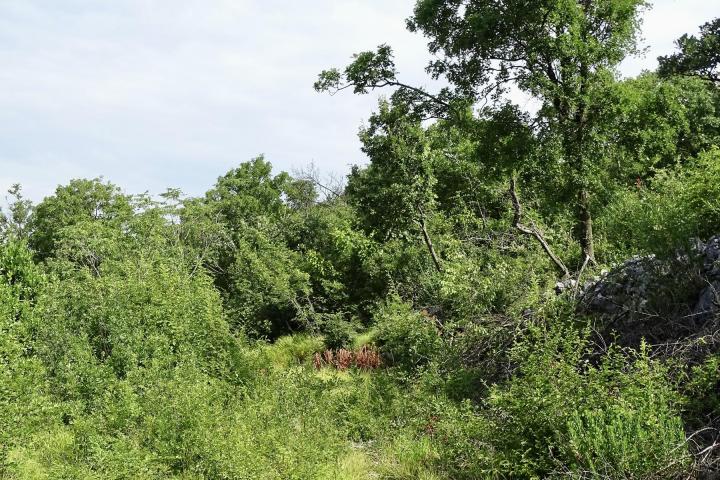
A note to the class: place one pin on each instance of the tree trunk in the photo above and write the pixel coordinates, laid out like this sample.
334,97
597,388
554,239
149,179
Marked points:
585,224
428,241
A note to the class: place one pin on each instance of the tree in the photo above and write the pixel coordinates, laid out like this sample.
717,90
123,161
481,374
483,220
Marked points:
562,52
78,201
260,278
395,194
250,194
15,223
657,123
698,57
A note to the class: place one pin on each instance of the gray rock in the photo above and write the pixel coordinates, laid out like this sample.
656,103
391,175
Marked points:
635,284
709,301
564,286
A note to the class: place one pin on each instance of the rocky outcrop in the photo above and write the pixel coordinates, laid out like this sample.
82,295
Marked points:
709,299
626,288
690,283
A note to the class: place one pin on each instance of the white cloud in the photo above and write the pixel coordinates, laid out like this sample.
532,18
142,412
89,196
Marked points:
158,93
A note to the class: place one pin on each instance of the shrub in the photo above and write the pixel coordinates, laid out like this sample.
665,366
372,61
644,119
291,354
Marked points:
679,204
563,414
407,338
337,331
134,314
26,403
479,282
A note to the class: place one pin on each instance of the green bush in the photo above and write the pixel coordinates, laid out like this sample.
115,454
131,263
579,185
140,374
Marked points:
678,205
408,339
478,282
561,413
122,304
337,331
26,403
700,403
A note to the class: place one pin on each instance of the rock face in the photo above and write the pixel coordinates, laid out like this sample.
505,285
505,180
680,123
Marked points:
670,301
709,300
625,288
688,284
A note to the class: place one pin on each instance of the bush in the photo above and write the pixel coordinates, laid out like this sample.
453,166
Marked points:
680,204
562,414
478,282
408,339
138,309
337,331
26,403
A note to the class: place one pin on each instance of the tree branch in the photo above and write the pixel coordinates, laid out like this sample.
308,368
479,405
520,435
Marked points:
428,240
532,230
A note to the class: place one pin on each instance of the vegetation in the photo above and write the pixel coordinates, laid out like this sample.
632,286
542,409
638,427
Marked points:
405,325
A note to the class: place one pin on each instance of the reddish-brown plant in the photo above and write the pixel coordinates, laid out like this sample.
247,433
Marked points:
317,361
367,358
328,357
343,359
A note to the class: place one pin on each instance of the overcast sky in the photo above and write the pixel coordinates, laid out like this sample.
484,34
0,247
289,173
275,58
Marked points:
173,93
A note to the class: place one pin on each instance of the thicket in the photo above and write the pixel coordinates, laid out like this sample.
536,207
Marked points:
404,325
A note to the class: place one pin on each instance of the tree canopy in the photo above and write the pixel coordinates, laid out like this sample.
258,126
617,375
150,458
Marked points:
698,56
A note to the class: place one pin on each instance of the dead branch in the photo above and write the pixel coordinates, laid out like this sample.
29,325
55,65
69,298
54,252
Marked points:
428,240
532,229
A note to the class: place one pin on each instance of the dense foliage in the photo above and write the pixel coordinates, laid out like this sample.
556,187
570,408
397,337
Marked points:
405,325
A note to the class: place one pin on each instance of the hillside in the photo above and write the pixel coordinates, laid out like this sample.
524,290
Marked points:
497,294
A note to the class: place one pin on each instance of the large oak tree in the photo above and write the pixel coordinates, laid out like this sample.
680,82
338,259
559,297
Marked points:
561,52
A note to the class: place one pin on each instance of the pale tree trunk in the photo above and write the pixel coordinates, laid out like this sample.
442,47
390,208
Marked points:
428,240
586,227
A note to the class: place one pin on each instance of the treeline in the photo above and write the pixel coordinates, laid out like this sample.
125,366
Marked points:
405,324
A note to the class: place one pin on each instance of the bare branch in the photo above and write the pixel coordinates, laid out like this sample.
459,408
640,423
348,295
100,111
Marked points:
428,240
532,230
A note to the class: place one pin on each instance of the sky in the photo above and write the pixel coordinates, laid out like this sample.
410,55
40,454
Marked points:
153,94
